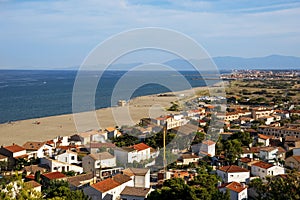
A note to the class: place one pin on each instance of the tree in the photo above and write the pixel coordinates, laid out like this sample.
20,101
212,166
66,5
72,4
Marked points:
37,176
203,186
244,137
3,165
199,137
232,148
61,189
278,188
174,188
15,188
125,140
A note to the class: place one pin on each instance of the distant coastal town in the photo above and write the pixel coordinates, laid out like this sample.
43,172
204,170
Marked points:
200,150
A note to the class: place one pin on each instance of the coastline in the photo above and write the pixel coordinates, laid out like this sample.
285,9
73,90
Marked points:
46,128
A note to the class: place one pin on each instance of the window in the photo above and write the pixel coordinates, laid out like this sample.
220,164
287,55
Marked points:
72,157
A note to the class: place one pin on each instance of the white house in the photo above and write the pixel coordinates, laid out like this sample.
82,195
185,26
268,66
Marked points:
112,132
61,141
93,162
96,147
57,166
268,119
37,149
268,154
237,191
247,153
13,152
186,159
172,121
264,139
233,173
136,153
207,147
135,193
263,169
140,176
68,156
90,136
109,188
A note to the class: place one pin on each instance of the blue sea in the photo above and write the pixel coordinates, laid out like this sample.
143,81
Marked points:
27,94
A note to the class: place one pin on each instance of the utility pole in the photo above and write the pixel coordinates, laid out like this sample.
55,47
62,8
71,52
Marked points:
164,140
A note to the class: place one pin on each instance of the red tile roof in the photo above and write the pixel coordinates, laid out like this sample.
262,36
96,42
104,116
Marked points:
235,186
255,149
245,160
105,185
30,176
54,175
31,184
140,146
33,145
263,165
14,148
264,137
135,191
135,171
233,169
110,129
121,178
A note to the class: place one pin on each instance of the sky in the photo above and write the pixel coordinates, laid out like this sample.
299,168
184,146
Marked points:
60,33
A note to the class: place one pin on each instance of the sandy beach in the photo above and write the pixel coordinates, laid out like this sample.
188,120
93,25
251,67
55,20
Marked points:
46,128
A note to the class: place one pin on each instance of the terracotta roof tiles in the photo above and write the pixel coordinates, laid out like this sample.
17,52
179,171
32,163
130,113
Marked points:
121,178
32,184
233,169
135,171
263,165
140,146
105,185
235,186
14,148
54,175
135,191
33,145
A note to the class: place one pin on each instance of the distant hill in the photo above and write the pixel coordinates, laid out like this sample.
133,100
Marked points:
225,63
229,62
268,62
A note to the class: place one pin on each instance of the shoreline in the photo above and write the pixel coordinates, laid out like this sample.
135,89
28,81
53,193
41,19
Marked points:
46,128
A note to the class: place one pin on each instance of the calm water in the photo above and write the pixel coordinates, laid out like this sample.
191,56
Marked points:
26,94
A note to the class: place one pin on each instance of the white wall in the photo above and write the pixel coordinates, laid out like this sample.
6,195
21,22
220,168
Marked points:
68,157
262,173
230,177
59,166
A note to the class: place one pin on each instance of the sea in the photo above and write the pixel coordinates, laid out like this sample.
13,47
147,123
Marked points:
27,94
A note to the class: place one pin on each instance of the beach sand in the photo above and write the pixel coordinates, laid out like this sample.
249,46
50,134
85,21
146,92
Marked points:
46,128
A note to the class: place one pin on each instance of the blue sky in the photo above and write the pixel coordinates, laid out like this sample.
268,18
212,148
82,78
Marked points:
60,33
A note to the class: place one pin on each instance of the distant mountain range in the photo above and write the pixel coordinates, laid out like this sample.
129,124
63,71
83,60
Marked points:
230,63
268,62
276,62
